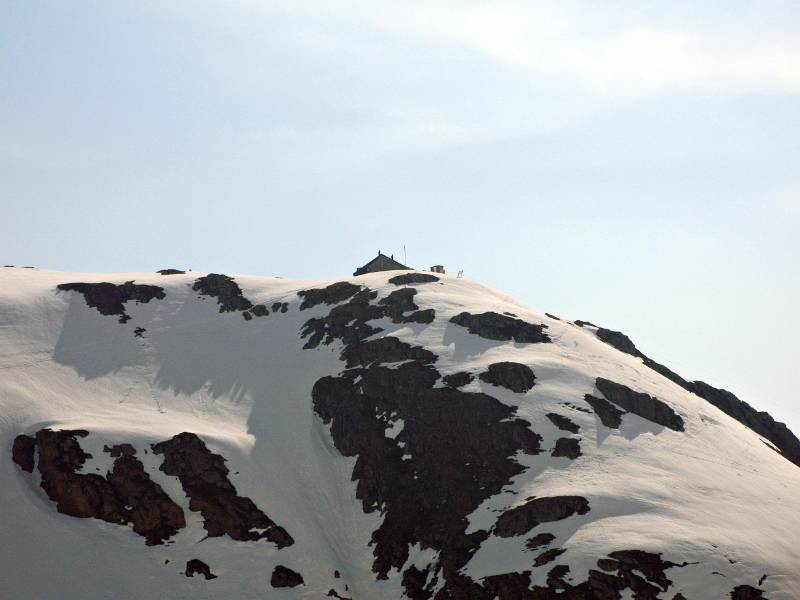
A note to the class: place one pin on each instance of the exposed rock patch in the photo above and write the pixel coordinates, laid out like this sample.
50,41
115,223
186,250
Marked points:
204,478
642,573
259,310
609,415
118,450
521,519
225,289
196,566
402,301
284,577
567,447
348,322
457,380
22,452
539,540
386,350
125,495
333,294
640,404
413,278
548,556
563,423
494,326
110,299
510,375
747,592
759,421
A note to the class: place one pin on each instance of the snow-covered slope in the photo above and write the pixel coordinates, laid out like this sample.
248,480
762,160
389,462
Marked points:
434,439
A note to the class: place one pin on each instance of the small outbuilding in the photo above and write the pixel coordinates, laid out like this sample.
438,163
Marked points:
381,263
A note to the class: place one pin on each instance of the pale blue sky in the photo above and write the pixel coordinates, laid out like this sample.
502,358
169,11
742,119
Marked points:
636,164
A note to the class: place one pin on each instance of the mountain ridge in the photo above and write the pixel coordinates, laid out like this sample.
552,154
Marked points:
408,435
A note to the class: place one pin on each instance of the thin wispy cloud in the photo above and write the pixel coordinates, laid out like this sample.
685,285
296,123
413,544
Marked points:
417,75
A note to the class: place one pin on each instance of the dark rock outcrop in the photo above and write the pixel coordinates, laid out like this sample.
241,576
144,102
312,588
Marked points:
567,447
402,301
196,566
225,289
457,380
414,582
385,350
759,421
609,415
539,540
640,404
110,299
563,423
347,322
521,519
413,278
333,294
22,452
125,495
494,326
259,310
118,450
747,592
418,479
640,572
548,556
510,375
204,478
284,577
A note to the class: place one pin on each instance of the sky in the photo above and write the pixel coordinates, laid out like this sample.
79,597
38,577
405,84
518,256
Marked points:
634,164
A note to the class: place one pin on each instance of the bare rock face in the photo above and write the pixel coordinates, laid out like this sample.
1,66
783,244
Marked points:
333,294
568,447
642,573
510,375
196,566
494,326
22,452
563,423
609,415
413,278
402,301
227,292
640,404
521,519
348,322
759,421
457,380
204,478
125,495
424,480
284,577
746,592
539,541
110,299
